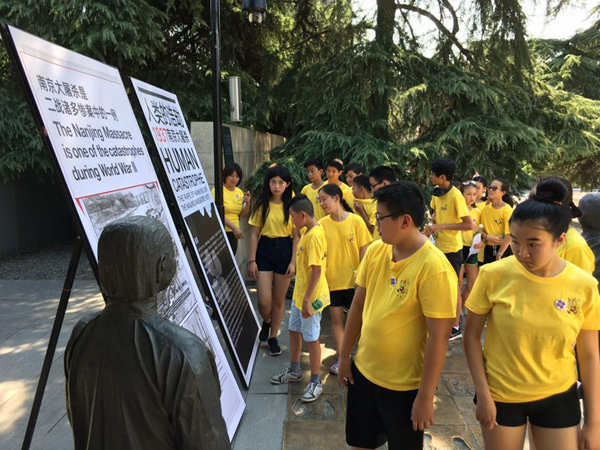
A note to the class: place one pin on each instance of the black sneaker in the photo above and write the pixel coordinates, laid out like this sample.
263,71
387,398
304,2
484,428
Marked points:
264,331
274,348
456,334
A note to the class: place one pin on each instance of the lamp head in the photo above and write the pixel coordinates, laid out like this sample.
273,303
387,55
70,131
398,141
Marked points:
255,11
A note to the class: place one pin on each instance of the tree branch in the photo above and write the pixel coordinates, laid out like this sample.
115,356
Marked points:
467,54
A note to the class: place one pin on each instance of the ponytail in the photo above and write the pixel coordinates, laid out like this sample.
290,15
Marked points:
545,207
334,190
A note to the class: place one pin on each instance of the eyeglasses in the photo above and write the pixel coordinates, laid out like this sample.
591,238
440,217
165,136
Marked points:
493,188
373,186
379,218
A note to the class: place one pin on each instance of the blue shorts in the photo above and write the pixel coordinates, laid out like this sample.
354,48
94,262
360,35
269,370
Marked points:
310,328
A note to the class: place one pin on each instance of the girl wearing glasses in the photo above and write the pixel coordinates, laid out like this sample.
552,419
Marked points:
470,266
537,307
272,258
347,240
494,218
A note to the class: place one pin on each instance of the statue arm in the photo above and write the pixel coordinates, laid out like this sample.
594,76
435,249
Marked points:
198,419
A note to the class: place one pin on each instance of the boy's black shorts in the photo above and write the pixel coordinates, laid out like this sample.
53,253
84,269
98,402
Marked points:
456,260
558,411
375,415
341,298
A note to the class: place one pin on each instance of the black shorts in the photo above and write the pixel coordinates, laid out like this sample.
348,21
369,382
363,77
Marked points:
233,241
274,254
557,411
489,253
469,260
341,298
456,260
376,415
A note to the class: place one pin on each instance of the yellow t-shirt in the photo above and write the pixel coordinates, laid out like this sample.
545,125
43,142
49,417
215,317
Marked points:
449,208
533,324
480,204
370,206
313,196
576,251
311,251
495,221
344,240
273,226
467,236
347,193
233,202
399,295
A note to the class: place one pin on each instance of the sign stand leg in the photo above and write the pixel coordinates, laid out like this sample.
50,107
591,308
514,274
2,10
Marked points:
58,320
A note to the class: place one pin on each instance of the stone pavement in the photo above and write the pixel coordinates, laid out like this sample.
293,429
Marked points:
274,418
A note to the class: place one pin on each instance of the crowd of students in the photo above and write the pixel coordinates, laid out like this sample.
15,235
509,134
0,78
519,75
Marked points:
368,247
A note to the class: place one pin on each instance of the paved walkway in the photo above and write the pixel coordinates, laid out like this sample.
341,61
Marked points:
274,418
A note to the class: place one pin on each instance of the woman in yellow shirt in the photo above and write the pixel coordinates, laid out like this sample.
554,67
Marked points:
272,254
494,218
537,307
235,202
347,239
470,266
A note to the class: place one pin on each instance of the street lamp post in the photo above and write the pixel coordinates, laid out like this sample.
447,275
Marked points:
254,14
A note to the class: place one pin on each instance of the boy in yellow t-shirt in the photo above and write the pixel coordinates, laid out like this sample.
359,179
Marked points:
403,310
335,168
364,205
314,173
311,296
451,217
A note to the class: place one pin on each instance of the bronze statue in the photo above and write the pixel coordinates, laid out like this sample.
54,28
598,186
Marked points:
136,381
590,223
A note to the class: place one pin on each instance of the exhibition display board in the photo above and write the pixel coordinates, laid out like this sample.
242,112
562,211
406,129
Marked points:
191,193
86,118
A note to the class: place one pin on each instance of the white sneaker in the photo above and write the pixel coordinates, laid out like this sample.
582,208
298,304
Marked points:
334,369
286,377
313,391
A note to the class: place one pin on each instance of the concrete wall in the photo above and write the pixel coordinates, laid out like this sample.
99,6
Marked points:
32,213
250,149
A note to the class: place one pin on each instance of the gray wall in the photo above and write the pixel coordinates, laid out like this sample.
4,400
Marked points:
250,149
32,213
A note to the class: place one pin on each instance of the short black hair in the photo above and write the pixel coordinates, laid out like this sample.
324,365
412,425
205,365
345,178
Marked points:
383,173
335,163
354,167
229,169
545,207
301,203
363,182
403,197
444,166
480,179
314,162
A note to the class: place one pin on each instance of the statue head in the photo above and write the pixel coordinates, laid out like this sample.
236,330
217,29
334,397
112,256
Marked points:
590,206
136,259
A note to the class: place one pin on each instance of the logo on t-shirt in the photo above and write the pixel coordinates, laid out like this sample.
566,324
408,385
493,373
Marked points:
300,249
402,287
571,306
499,221
351,237
444,207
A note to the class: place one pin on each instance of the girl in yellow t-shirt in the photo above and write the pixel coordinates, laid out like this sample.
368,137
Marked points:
347,239
272,254
481,184
537,307
470,265
575,249
235,202
494,218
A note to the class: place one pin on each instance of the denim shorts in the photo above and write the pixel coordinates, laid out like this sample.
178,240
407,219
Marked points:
310,328
274,254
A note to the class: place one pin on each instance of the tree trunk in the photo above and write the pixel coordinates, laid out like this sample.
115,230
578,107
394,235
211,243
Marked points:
384,37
